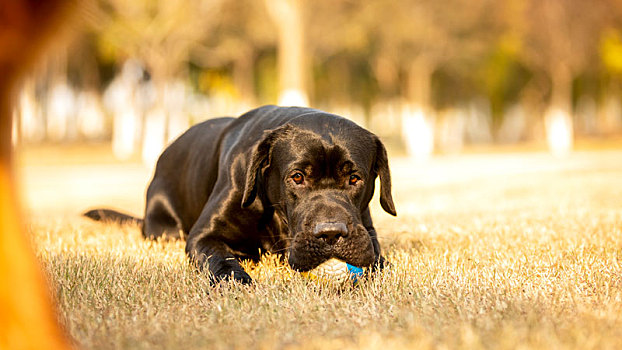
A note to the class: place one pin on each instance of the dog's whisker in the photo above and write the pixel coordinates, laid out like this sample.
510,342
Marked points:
277,251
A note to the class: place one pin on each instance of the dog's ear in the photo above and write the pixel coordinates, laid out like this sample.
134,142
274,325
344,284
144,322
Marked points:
382,169
260,159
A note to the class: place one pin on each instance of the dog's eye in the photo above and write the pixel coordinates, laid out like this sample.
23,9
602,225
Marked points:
298,178
354,179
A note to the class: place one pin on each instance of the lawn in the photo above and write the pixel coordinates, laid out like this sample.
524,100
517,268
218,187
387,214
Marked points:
518,250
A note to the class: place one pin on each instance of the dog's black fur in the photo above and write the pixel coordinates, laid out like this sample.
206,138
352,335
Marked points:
283,180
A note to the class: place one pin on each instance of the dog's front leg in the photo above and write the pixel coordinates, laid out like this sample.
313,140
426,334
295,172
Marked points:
214,255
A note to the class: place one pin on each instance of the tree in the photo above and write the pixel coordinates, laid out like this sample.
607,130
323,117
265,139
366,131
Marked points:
412,39
161,35
242,31
559,39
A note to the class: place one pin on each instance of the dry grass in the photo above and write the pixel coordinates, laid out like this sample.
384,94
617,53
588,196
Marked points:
520,251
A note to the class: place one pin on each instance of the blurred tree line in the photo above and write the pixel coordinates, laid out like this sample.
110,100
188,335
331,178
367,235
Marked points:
424,74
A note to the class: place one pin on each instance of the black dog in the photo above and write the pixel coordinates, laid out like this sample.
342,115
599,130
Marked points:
295,180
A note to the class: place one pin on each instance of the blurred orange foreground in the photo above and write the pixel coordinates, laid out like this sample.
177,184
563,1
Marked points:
27,317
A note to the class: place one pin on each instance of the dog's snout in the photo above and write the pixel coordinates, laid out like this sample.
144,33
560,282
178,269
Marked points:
330,232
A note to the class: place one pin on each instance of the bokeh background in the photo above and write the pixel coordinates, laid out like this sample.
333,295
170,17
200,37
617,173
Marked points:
503,123
430,77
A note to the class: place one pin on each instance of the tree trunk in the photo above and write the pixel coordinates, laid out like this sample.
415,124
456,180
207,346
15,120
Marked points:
417,121
558,116
609,119
243,77
120,98
288,18
155,126
419,81
174,98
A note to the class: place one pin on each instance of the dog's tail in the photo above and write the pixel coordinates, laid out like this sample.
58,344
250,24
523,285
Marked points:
109,215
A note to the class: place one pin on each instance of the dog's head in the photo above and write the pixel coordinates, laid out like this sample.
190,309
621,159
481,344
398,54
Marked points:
319,173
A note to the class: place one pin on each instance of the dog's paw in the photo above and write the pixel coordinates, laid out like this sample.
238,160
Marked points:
239,276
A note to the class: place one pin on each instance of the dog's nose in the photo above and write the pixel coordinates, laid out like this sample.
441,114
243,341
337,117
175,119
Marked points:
330,231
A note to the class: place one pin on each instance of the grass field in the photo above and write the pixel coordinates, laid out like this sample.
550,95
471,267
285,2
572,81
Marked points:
488,251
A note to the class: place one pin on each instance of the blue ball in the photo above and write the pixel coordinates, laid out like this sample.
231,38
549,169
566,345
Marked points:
354,272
